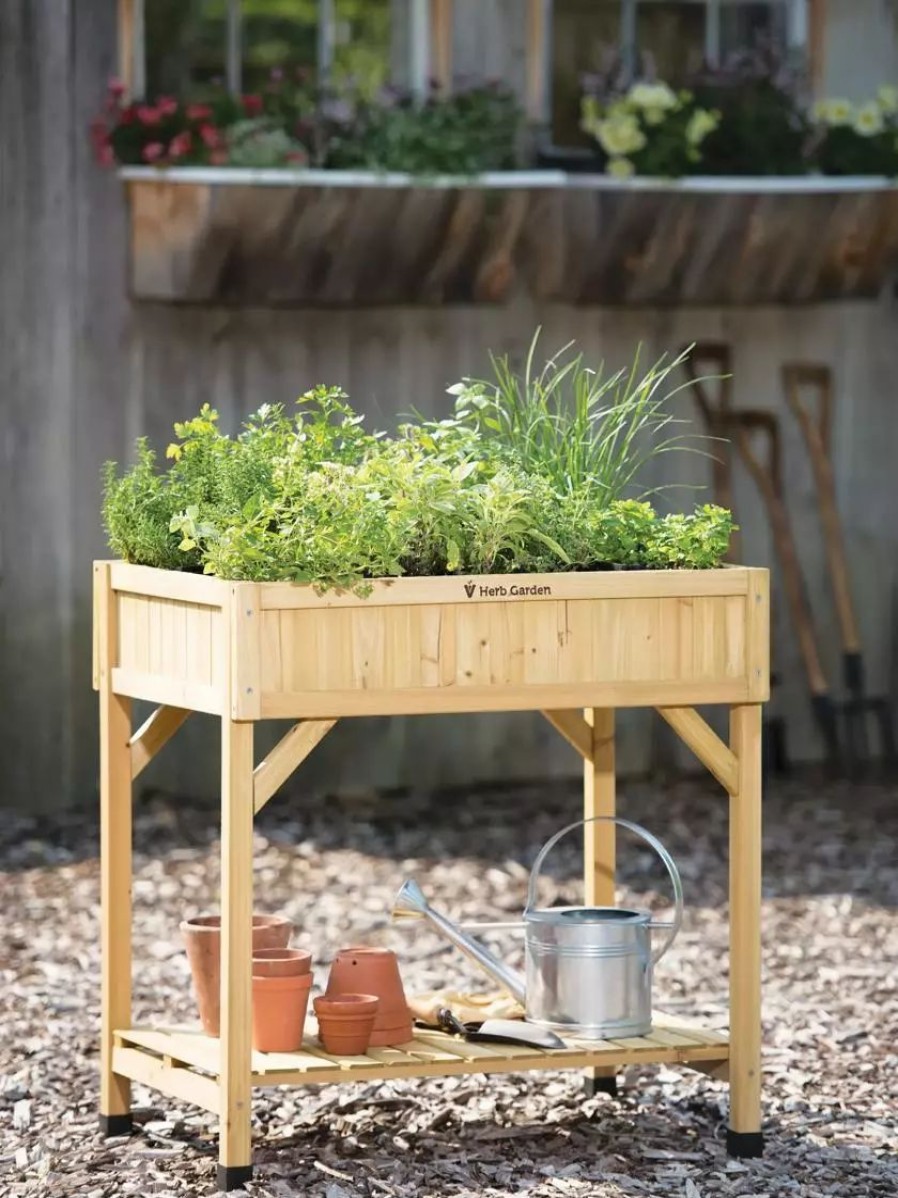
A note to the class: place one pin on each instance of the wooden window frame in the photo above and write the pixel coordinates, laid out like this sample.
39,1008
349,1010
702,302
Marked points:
430,44
804,31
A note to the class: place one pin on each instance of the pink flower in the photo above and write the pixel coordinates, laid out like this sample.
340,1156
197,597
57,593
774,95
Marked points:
218,157
128,115
180,145
252,105
297,157
116,88
99,132
148,115
198,112
167,106
105,156
210,136
153,151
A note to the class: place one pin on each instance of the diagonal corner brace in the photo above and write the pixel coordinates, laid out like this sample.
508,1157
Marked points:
292,749
155,732
574,729
704,742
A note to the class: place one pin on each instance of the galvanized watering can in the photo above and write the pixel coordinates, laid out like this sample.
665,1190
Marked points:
589,969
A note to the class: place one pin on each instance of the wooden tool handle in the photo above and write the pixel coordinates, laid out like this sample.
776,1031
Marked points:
715,412
816,432
768,478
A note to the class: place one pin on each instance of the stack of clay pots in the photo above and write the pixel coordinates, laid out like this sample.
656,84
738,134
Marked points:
282,980
364,1005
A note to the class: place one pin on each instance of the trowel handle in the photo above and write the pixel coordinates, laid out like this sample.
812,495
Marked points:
671,927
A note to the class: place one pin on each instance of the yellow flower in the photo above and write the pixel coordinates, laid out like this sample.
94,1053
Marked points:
620,134
887,98
868,121
834,112
701,123
653,116
651,95
621,168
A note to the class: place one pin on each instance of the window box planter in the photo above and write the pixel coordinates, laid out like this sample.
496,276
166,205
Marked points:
351,239
551,642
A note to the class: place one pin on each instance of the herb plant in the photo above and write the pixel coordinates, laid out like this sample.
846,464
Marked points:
499,487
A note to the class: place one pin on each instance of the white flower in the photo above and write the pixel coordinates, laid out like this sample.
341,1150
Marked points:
654,116
701,123
651,95
621,168
868,121
834,112
887,98
620,134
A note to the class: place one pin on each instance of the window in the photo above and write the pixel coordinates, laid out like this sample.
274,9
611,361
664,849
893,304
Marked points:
189,47
670,38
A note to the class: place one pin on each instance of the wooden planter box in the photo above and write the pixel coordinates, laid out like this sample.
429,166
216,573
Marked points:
350,239
490,643
559,643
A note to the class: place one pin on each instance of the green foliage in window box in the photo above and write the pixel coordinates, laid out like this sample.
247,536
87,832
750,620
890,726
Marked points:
499,487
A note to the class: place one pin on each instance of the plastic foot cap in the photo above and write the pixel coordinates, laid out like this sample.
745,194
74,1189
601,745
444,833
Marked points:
745,1144
600,1085
117,1125
234,1177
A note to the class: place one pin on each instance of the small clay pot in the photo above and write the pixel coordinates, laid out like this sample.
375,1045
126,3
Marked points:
281,962
363,970
202,939
345,1024
279,1012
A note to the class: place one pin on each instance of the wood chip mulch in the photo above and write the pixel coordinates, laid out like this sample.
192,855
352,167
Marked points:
831,1000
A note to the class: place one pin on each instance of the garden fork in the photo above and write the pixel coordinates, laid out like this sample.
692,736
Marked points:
801,378
746,425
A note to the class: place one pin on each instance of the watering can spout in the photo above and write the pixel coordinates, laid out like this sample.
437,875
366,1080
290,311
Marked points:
410,903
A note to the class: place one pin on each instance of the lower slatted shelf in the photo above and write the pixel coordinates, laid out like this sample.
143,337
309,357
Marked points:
186,1063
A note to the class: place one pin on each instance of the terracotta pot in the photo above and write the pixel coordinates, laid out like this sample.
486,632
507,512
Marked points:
345,1024
202,939
279,1012
281,962
363,970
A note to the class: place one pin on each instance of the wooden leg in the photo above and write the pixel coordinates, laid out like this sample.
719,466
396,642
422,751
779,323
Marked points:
599,844
235,1151
115,860
744,1135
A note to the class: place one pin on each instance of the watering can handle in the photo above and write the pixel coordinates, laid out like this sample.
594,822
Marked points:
673,926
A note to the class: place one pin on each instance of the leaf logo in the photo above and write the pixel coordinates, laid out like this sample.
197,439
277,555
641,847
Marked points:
469,589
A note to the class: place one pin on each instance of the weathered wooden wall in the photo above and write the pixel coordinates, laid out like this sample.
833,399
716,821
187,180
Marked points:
82,374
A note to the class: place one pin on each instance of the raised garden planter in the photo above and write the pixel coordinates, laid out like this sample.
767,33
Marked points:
552,642
334,238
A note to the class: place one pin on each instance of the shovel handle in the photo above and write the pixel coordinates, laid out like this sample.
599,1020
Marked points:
715,411
817,432
767,475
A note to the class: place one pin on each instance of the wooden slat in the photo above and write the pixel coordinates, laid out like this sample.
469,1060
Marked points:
757,636
156,731
182,1084
496,588
441,30
168,584
332,704
574,729
168,692
292,749
536,63
704,742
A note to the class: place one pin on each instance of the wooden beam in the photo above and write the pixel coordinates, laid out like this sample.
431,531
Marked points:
132,48
704,743
292,749
441,33
574,728
537,62
155,732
